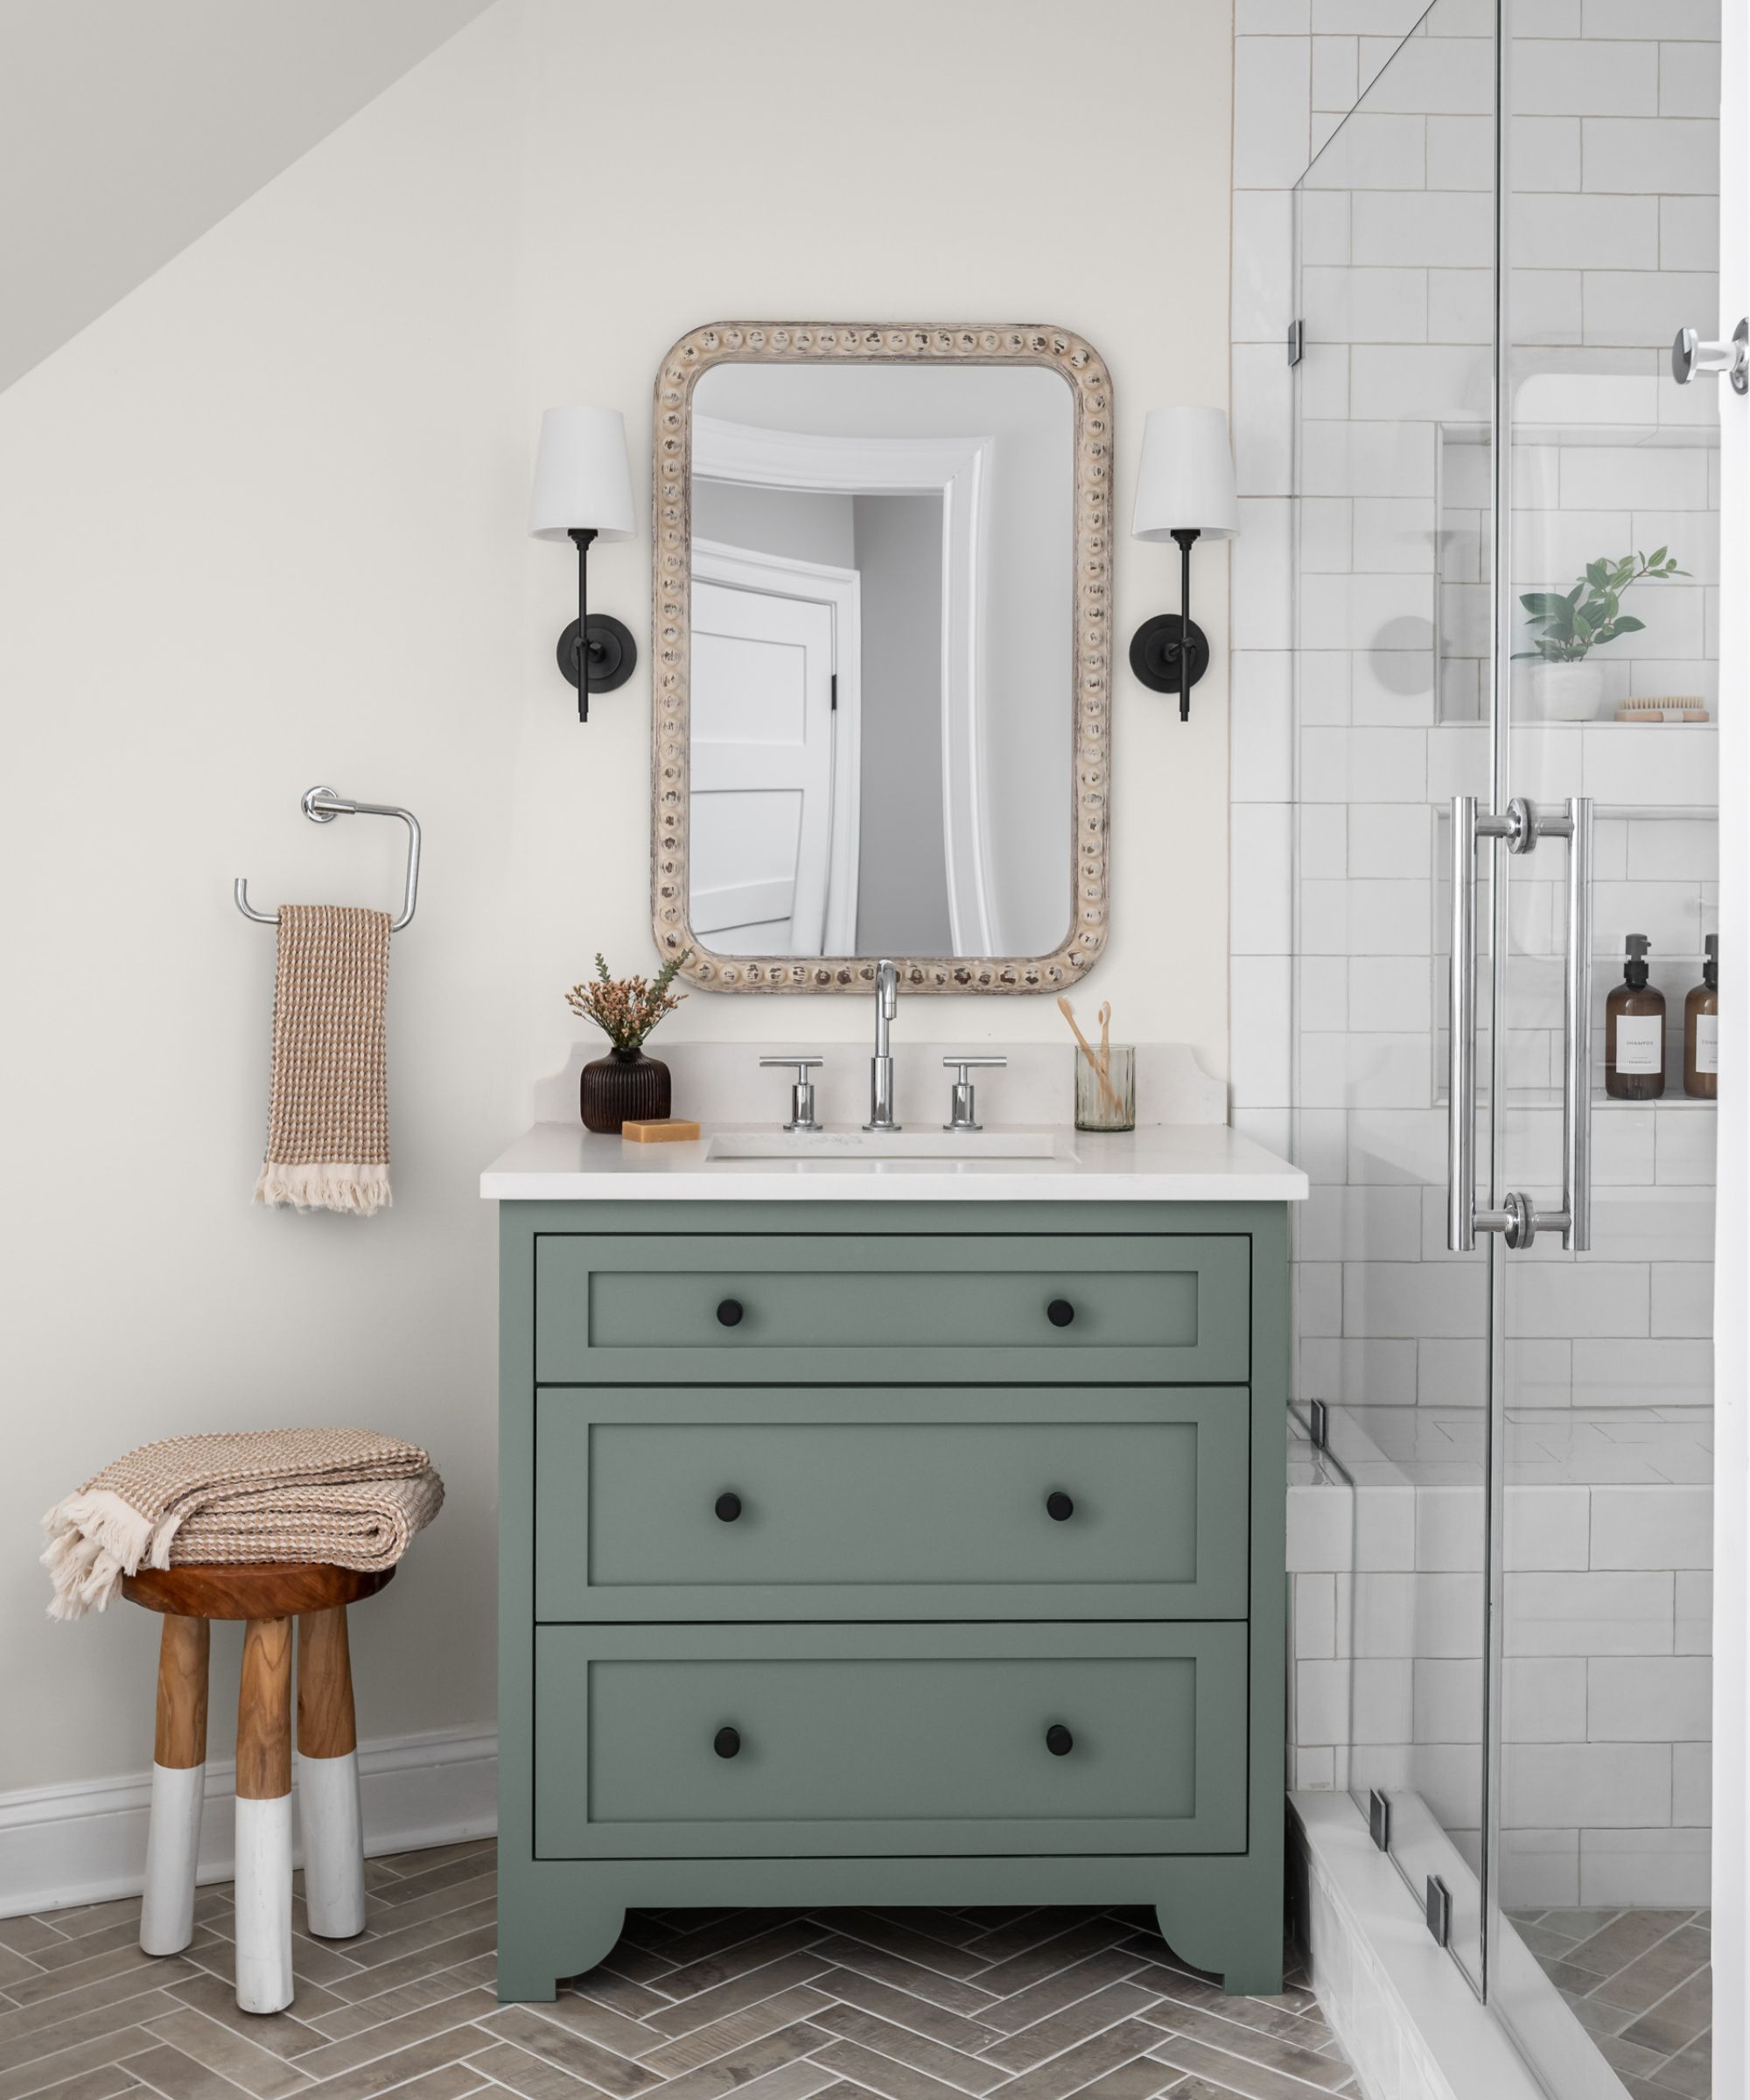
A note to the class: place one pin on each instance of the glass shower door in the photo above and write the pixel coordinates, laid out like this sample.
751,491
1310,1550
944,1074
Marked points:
1605,647
1394,227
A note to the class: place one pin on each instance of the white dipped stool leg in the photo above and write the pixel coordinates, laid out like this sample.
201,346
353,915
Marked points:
328,1778
264,1818
178,1784
264,1904
334,1846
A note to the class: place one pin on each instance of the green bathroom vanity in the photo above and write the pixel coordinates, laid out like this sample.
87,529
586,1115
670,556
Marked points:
893,1539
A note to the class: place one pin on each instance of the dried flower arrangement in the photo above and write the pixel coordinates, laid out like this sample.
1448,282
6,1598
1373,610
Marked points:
627,1009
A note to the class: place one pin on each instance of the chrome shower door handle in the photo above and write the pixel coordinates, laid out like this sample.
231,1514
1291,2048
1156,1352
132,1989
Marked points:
1690,355
1518,1218
1577,1019
1461,1033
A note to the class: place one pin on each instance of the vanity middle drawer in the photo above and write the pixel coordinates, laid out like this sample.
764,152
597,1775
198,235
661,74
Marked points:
1125,1502
1000,1307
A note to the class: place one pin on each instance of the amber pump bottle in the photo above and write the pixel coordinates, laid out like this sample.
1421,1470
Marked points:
1701,1029
1634,1030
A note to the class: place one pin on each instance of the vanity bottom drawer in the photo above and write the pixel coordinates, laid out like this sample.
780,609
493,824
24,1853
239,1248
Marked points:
785,1741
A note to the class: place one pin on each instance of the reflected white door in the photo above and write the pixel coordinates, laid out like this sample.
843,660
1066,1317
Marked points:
762,739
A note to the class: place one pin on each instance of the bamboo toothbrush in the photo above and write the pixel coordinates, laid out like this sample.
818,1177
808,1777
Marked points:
1068,1014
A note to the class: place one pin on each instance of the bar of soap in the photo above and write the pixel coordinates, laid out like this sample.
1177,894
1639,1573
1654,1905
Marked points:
660,1129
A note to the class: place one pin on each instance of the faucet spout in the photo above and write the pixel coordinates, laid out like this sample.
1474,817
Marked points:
881,1064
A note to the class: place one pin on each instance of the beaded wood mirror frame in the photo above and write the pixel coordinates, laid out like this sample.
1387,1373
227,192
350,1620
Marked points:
833,342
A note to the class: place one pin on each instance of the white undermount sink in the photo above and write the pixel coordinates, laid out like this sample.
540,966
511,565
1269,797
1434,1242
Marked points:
727,1145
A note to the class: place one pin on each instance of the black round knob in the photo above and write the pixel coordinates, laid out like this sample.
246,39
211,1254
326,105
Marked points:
1057,1505
727,1742
1058,1740
729,1313
1060,1312
728,1505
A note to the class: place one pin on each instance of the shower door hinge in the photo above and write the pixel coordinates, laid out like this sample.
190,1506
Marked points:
1439,1911
1296,342
1319,1425
1379,1820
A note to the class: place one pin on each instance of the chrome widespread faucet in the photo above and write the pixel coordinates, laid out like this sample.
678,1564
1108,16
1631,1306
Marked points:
881,1064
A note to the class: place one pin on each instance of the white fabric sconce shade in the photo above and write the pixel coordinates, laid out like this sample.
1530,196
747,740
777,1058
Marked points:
1187,481
582,482
583,492
1184,492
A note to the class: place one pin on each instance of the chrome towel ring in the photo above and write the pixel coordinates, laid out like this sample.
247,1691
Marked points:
322,806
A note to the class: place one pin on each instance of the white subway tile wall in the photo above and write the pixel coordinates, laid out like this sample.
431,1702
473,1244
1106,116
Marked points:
1608,1680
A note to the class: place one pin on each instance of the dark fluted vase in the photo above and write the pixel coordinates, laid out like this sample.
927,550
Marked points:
623,1087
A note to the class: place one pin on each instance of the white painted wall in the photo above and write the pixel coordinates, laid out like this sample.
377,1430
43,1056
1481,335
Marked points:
798,522
902,906
261,525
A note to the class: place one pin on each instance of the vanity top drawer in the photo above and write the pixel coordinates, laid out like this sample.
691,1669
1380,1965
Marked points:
911,1502
791,1741
1001,1308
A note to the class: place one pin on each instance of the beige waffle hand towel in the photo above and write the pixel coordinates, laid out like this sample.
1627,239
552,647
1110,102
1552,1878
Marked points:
348,1496
328,1126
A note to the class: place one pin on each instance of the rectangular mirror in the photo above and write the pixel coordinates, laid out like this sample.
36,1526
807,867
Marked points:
882,682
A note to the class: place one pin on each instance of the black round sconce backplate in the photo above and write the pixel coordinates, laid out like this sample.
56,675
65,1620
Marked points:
1155,652
613,654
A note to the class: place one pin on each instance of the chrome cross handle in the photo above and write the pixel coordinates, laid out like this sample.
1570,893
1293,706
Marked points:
1690,355
964,1111
802,1093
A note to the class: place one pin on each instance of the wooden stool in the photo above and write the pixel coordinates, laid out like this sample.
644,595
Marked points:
269,1596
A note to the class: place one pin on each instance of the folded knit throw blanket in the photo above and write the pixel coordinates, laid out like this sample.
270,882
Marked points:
328,1125
346,1496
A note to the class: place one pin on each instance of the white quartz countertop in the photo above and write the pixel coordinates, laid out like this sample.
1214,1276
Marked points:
1159,1163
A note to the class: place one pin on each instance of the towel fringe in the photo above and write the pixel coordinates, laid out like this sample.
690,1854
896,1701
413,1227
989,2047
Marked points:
324,1184
94,1539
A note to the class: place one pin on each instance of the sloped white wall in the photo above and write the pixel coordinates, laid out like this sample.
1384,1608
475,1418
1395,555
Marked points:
127,131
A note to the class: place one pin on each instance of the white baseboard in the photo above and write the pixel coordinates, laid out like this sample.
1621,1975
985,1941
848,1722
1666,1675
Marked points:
86,1842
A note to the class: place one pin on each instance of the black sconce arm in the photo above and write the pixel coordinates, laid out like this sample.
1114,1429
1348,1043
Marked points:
1170,653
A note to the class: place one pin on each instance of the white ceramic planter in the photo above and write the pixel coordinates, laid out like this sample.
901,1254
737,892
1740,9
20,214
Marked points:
1561,692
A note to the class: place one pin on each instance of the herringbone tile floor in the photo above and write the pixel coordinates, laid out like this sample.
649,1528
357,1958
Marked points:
853,2005
1640,1983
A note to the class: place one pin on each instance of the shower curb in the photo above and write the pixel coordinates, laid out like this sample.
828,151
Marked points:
1407,2021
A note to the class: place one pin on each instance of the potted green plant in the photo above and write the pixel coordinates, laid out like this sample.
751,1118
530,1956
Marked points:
1567,626
625,1086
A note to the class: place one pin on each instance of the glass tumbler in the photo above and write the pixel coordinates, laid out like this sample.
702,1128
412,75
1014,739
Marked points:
1111,1105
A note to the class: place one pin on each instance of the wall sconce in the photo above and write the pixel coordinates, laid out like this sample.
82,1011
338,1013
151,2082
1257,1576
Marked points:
583,491
1185,491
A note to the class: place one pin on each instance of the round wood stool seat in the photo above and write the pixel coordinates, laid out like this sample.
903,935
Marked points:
255,1590
268,1597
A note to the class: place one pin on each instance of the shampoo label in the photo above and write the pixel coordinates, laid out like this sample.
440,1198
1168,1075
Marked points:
1707,1042
1640,1043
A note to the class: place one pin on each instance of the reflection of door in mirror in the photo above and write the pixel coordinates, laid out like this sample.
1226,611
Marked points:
767,697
